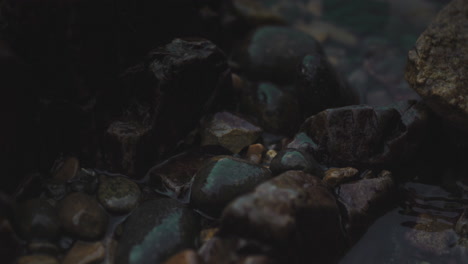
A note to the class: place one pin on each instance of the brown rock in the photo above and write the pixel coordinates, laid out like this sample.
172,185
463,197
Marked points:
85,253
82,216
188,256
336,176
437,65
37,259
66,170
255,153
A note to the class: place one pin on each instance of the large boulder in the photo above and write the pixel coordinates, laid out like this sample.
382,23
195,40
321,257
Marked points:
438,64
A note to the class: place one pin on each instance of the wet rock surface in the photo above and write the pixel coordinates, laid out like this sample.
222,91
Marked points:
436,66
366,136
156,230
222,180
82,216
293,210
118,194
229,131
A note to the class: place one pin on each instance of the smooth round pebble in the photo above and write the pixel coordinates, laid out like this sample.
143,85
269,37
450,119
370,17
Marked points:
118,194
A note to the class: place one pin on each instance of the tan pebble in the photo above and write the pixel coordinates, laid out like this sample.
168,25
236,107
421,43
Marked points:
335,176
207,234
255,153
85,253
67,170
188,256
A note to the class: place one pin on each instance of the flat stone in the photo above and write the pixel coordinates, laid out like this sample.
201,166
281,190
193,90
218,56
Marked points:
336,176
230,131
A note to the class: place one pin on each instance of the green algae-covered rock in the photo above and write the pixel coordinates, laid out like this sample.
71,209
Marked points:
155,231
222,180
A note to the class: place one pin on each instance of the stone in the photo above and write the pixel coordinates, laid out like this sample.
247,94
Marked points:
229,131
118,194
436,67
188,73
207,234
275,108
255,153
362,136
42,247
461,227
66,170
320,87
156,230
336,176
85,181
173,176
37,219
85,253
37,259
273,53
82,216
364,201
188,256
292,159
223,179
294,212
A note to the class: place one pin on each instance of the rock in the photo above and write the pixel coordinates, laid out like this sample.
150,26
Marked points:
230,250
273,53
229,131
85,181
155,231
82,216
269,156
192,74
37,259
255,153
303,143
336,176
292,159
436,67
223,179
364,201
294,212
207,234
461,227
276,108
363,136
85,253
174,176
37,220
319,87
66,170
118,194
257,260
188,256
45,248
255,13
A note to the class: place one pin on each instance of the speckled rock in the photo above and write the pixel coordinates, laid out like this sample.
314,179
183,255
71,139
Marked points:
273,53
155,231
37,259
362,136
82,216
85,253
292,159
336,176
293,212
364,201
37,219
118,194
192,73
229,131
437,68
222,180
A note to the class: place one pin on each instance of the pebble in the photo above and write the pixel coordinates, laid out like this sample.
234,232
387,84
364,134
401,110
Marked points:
188,256
85,253
82,216
118,194
336,176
